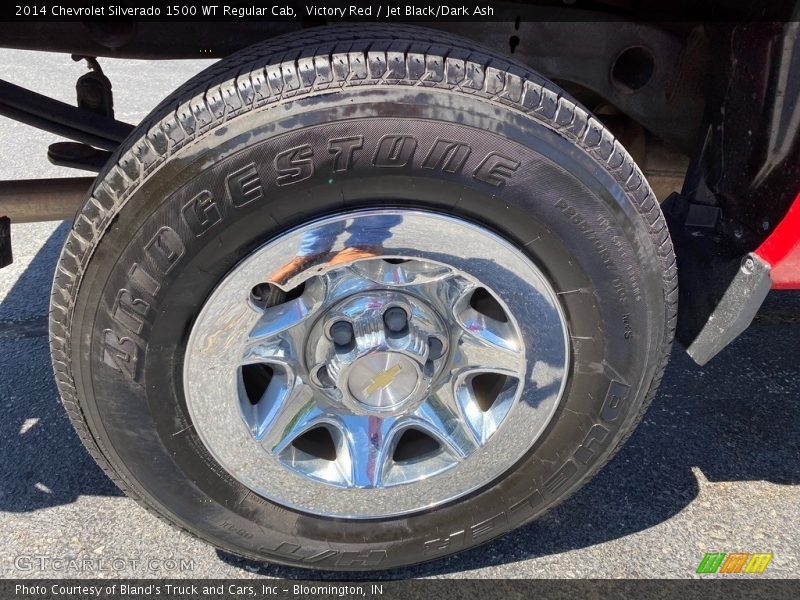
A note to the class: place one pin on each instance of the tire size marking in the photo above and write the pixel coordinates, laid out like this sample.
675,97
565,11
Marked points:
600,246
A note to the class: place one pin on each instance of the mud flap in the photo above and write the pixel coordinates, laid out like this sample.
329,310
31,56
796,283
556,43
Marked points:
735,310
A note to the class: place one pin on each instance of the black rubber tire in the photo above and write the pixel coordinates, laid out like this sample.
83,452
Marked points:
160,228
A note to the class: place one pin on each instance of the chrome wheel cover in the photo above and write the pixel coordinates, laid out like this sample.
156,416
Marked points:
376,363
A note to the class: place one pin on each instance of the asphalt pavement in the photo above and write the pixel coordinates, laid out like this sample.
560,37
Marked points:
714,466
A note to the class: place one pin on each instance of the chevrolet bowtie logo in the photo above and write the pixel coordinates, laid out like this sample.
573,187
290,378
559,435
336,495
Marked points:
382,380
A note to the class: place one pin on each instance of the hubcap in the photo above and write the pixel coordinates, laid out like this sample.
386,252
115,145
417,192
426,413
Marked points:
375,350
376,363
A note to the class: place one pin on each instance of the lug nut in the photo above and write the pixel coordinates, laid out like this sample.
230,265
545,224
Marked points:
435,348
264,295
342,333
395,319
324,378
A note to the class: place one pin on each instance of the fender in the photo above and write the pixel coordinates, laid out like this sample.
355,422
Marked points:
781,250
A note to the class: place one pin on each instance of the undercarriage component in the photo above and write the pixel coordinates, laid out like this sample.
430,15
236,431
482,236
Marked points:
94,89
77,156
94,95
60,118
748,163
31,200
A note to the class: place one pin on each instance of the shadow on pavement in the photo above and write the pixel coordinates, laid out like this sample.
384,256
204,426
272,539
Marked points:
737,419
44,464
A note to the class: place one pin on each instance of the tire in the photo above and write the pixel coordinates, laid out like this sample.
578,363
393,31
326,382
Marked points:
162,229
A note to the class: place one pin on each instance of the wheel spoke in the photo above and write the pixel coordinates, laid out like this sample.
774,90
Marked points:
364,449
344,282
486,343
277,349
291,318
445,293
284,413
440,416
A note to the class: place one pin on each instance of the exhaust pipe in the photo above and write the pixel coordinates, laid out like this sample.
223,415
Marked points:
32,200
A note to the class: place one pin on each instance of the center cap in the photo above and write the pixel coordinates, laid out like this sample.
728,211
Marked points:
377,352
383,380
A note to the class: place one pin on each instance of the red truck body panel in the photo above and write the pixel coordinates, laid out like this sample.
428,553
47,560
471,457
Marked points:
782,250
